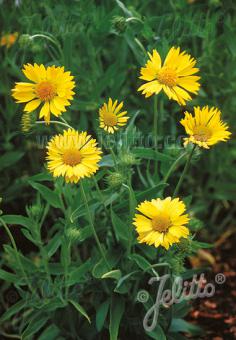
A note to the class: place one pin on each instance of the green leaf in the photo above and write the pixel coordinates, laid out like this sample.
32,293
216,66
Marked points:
50,196
101,314
114,274
10,158
8,276
50,333
140,261
80,309
152,154
37,322
121,228
117,308
17,220
120,287
77,274
53,244
100,268
157,334
150,193
16,308
180,325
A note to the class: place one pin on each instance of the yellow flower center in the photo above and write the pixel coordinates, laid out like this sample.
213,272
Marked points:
110,119
161,223
201,133
72,157
167,76
45,90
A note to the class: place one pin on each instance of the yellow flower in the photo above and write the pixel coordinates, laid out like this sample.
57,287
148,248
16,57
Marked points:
175,76
110,116
206,127
51,86
73,155
161,222
8,39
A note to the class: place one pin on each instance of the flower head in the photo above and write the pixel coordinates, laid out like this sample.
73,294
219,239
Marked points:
205,128
8,39
73,155
161,222
175,77
50,86
110,116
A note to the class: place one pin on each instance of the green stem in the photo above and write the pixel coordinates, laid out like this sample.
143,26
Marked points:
64,121
41,248
49,39
155,120
17,254
53,122
92,226
173,166
101,198
113,157
186,167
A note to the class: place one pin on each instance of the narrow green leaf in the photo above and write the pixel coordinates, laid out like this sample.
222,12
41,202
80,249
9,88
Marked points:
50,196
80,309
36,323
8,276
101,314
114,274
10,158
152,154
16,308
117,308
120,227
17,220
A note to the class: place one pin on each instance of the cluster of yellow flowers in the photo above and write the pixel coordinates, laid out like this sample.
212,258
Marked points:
75,155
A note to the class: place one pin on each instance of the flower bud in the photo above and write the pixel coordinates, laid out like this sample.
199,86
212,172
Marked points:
73,234
115,179
128,159
119,24
27,121
25,40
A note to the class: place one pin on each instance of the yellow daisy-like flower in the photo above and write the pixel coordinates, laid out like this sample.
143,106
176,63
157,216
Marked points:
51,86
8,39
110,116
175,76
205,128
73,155
161,222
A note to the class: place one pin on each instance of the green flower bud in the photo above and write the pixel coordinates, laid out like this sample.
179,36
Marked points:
128,159
25,40
177,265
73,234
119,24
27,121
115,179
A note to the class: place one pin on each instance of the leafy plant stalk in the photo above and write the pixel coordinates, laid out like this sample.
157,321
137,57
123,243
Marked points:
17,254
92,225
186,167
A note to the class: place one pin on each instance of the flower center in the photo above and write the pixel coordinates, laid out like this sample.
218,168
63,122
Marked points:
110,119
161,223
72,157
45,90
167,76
201,133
